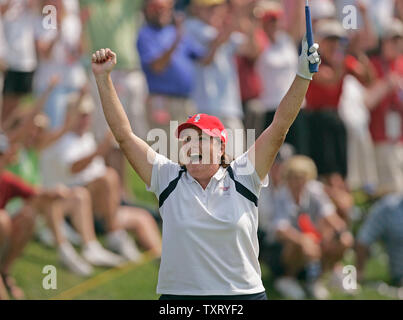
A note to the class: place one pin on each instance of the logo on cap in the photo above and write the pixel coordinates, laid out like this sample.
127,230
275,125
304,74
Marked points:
197,118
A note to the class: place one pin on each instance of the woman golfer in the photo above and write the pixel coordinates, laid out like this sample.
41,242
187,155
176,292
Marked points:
209,209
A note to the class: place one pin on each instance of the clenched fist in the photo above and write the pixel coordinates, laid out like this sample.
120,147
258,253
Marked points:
103,61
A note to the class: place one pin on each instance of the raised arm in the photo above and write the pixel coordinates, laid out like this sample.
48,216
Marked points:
137,151
266,147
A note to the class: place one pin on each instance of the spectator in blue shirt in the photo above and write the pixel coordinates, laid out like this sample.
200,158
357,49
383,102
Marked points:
214,25
385,223
167,58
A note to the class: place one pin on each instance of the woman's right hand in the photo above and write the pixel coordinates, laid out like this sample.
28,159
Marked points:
103,62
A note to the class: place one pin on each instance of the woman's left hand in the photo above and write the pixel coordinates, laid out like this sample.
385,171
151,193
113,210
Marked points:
305,59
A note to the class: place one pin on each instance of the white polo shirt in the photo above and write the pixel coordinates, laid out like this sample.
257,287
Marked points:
209,238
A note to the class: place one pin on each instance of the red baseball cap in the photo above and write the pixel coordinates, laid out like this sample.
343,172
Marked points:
208,124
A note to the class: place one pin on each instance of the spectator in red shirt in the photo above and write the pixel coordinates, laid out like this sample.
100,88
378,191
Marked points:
328,135
16,231
386,105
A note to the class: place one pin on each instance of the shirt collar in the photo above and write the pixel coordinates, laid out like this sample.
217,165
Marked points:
220,173
217,176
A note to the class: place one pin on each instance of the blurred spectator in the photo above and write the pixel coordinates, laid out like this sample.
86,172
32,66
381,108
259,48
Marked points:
386,105
268,242
16,229
278,63
3,47
212,24
362,173
19,29
266,199
75,161
328,145
3,51
29,129
353,107
249,78
312,235
384,223
2,69
167,57
120,34
59,54
74,202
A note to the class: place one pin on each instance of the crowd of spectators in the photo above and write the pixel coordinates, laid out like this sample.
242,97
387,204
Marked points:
234,59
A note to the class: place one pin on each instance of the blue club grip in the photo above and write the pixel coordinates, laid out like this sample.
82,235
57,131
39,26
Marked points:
313,68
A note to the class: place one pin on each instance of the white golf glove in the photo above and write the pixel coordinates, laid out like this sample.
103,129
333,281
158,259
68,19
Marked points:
305,60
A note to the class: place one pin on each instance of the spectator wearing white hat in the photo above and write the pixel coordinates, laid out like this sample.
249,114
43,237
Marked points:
77,161
74,203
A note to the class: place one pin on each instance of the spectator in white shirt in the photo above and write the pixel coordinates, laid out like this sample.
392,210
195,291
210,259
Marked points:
76,160
19,30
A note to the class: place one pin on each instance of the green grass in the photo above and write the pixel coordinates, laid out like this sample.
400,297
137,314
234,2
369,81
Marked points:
140,281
